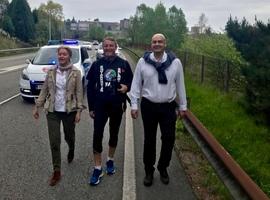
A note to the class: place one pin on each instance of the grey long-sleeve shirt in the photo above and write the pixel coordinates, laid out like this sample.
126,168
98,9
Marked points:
145,83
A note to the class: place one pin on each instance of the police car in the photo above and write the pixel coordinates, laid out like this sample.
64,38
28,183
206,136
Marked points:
34,74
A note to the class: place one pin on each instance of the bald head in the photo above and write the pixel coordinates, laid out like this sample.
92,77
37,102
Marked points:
158,43
159,35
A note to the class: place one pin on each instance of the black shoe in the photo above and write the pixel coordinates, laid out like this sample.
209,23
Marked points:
148,180
70,156
164,177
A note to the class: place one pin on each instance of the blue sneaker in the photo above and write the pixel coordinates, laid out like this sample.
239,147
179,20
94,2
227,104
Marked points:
96,176
110,167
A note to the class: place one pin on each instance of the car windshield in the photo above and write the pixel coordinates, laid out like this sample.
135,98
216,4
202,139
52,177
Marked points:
48,56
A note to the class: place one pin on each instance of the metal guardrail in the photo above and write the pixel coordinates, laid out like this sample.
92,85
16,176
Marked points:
18,49
125,48
240,185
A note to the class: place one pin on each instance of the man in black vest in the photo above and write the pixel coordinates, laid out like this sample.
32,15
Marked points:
158,79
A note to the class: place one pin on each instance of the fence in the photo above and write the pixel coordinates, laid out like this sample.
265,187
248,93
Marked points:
221,73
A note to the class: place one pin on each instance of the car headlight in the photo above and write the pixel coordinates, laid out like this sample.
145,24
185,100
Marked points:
24,76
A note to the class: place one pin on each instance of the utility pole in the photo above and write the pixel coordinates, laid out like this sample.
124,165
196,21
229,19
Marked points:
50,26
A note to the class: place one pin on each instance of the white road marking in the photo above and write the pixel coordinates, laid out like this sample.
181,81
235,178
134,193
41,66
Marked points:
12,68
129,180
9,99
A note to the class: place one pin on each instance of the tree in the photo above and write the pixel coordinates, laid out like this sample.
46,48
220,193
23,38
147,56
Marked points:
148,21
8,25
253,42
208,31
55,10
132,33
55,16
96,33
41,27
145,24
3,7
22,19
177,27
35,16
202,23
214,45
160,18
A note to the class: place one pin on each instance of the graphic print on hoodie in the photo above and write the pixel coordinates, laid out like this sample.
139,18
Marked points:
104,78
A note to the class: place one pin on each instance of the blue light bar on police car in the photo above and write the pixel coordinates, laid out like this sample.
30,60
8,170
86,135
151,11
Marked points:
70,42
65,42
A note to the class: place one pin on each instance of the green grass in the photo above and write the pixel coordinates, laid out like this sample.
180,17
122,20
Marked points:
7,43
236,130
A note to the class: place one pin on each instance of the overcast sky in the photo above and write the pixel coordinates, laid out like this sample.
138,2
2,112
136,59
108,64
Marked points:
216,11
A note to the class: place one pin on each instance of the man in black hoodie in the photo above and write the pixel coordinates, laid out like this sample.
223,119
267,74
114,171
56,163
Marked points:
109,79
158,79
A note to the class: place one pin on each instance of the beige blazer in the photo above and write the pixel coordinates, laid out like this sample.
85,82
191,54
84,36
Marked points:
74,91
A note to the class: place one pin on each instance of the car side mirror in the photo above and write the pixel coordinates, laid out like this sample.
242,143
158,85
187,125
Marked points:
28,61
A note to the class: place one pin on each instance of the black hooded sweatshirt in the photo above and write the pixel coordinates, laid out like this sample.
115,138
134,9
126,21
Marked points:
104,78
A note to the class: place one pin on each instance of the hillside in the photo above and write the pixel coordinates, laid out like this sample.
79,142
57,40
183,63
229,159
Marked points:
11,43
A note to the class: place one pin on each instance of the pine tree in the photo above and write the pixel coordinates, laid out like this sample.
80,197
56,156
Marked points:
253,42
8,25
22,19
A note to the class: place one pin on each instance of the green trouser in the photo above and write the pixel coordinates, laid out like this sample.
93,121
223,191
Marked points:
53,120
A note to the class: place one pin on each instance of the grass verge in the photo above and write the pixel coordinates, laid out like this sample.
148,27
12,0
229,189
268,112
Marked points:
236,130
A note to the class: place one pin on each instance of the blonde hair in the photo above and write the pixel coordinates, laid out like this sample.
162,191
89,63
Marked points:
65,48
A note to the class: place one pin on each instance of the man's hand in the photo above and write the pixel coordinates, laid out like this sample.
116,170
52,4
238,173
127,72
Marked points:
181,114
134,114
92,114
123,89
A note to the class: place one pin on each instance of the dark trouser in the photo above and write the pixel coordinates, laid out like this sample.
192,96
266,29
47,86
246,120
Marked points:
102,113
152,115
53,120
